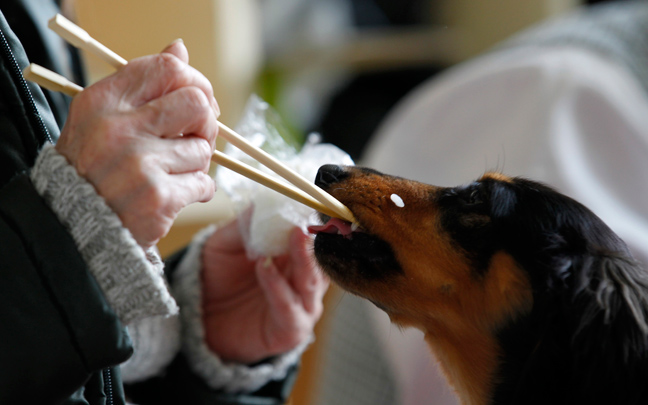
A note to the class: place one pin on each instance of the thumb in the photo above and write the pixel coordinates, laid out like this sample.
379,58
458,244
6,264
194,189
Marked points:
178,49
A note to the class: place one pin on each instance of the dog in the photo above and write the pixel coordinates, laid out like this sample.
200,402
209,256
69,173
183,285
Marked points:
524,295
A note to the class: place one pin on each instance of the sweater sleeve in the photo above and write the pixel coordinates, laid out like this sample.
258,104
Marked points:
130,278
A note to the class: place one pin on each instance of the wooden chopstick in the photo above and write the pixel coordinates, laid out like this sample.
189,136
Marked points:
50,80
78,37
282,170
259,177
81,39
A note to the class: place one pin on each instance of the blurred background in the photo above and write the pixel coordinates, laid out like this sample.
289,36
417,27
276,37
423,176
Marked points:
336,67
332,66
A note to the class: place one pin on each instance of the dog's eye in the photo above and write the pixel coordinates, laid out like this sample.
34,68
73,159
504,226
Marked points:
473,195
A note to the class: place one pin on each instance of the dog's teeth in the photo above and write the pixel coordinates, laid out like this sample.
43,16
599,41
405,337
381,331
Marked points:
354,227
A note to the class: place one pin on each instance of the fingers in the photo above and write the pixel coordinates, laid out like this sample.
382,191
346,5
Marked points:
148,209
308,279
303,288
285,306
179,191
123,136
177,49
184,111
153,76
276,288
185,154
192,187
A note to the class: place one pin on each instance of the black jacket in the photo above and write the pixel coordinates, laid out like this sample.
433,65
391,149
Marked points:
60,341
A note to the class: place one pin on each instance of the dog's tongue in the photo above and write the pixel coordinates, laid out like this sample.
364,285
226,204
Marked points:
334,225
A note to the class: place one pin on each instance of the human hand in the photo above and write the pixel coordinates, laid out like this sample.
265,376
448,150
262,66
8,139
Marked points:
256,309
143,137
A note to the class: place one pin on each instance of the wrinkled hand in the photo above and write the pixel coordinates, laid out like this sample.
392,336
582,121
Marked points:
143,137
257,309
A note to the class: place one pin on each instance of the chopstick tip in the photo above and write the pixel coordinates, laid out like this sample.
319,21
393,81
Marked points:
56,20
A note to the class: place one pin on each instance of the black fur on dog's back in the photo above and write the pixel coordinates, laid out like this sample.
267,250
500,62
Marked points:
585,340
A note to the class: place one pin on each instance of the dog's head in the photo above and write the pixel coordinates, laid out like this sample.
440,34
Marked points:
498,255
423,251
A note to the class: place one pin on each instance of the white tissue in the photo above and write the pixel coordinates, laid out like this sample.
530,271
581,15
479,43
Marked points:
266,228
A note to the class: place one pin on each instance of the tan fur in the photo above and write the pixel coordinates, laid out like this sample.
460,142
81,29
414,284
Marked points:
497,176
464,342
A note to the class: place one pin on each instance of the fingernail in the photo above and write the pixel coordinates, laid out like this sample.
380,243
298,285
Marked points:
216,109
179,40
267,262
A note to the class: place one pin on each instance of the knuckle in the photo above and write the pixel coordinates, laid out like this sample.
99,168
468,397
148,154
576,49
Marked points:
160,229
318,309
153,116
196,100
203,115
169,63
156,197
205,186
200,152
139,164
157,206
172,69
149,232
203,151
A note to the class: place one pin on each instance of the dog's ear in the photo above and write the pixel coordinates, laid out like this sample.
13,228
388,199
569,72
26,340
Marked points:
613,290
607,312
588,328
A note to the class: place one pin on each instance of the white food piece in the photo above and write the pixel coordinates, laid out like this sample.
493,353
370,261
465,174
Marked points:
397,200
266,229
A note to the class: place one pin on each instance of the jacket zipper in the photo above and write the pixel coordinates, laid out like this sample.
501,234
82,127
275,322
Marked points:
108,388
18,78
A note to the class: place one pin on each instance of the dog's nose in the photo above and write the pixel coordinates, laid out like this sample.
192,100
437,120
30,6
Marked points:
328,175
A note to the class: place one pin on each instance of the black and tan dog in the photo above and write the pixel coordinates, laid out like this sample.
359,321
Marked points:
524,295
